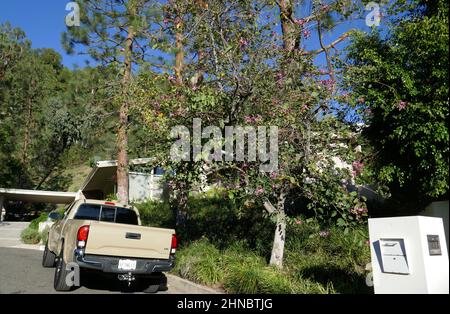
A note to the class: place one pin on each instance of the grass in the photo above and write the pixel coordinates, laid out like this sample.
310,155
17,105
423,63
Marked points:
239,270
30,236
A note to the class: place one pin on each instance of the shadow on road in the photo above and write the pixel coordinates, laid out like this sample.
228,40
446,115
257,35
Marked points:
96,281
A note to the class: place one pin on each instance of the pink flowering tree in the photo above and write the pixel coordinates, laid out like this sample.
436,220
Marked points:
254,76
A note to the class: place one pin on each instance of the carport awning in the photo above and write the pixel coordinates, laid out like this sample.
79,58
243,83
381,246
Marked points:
38,196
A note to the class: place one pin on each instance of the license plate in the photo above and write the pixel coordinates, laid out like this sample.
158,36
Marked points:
127,264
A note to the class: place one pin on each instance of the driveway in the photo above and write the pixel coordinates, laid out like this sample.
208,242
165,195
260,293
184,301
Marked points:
10,233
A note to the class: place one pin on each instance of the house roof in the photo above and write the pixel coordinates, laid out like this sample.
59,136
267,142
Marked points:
38,196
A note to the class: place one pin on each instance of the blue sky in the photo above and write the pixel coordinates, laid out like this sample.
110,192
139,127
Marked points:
43,23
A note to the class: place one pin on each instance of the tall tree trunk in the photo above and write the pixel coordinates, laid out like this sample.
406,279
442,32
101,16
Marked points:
26,136
279,239
179,55
182,205
183,187
122,135
291,32
29,122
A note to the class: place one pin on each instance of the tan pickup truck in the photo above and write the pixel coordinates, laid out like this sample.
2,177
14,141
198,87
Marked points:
107,237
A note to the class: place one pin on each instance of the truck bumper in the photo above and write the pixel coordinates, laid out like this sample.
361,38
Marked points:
109,264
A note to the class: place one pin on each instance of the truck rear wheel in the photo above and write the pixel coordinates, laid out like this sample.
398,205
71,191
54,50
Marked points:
159,282
59,282
48,258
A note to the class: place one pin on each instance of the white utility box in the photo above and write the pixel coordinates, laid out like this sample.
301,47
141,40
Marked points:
409,255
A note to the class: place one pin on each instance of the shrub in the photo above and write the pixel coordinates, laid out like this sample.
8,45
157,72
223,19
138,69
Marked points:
30,236
34,224
221,220
156,214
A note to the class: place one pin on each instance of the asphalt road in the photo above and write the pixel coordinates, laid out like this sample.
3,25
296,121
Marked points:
21,270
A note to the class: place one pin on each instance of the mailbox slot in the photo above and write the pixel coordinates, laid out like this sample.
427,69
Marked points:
393,255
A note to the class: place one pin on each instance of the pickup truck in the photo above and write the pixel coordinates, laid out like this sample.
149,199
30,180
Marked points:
107,237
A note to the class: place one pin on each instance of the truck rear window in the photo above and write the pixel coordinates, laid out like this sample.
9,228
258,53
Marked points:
106,213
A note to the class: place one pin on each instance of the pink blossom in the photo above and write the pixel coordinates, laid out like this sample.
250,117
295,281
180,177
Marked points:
323,71
357,167
166,21
273,175
275,101
306,33
329,84
305,107
402,105
253,118
243,42
259,191
358,211
300,22
324,234
171,78
325,8
298,222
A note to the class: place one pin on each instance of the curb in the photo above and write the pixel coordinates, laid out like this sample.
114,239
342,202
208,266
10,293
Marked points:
36,247
190,286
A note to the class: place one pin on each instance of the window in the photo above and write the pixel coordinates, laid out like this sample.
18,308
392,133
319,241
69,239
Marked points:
88,212
106,213
126,216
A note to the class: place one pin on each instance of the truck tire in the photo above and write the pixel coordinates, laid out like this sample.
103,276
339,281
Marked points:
48,258
59,282
153,288
156,284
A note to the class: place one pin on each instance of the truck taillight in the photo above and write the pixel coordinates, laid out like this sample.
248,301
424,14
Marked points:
82,236
173,246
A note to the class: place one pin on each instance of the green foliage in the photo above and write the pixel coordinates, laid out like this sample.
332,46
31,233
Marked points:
47,118
34,224
330,256
30,236
399,85
156,214
214,216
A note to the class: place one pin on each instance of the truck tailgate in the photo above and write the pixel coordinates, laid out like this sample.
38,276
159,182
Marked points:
115,239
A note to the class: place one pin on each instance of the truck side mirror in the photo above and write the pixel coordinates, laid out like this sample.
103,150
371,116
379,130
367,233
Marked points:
55,216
